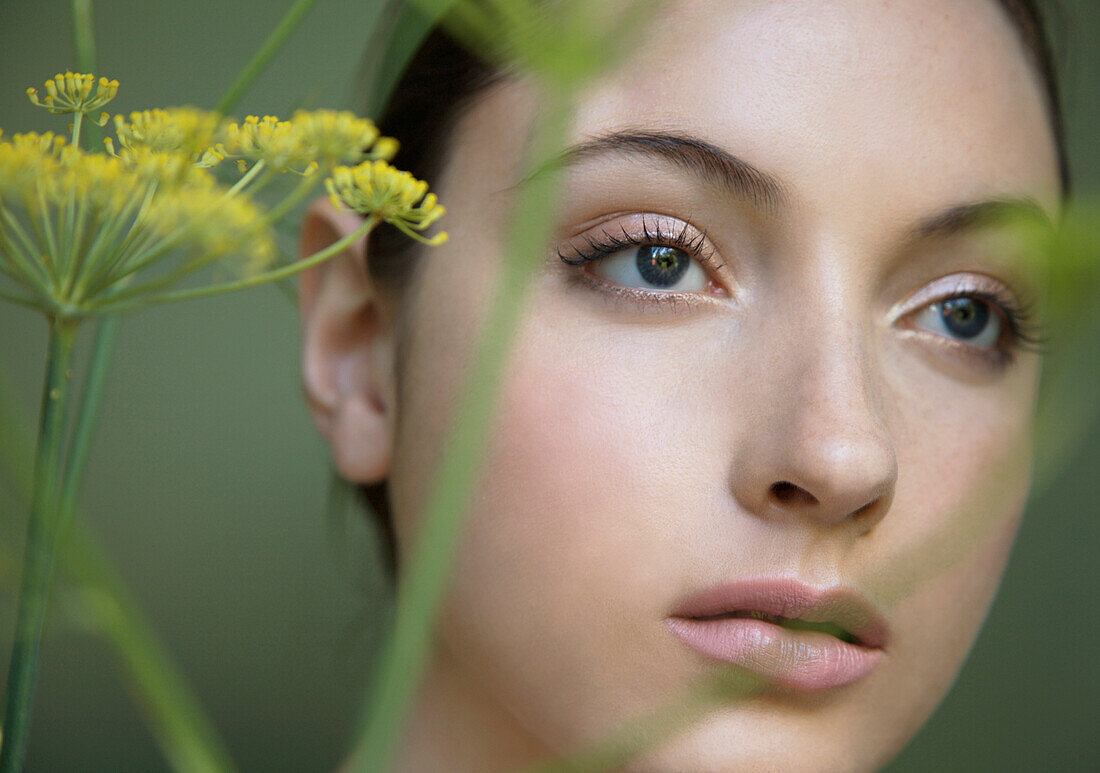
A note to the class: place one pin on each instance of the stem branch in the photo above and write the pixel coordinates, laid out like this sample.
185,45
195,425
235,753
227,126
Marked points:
41,544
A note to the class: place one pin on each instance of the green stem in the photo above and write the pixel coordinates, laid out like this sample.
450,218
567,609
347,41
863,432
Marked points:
85,421
78,119
242,284
273,43
301,190
83,35
246,178
41,544
22,300
424,577
186,737
174,714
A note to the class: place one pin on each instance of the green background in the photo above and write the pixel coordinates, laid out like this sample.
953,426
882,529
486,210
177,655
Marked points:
207,481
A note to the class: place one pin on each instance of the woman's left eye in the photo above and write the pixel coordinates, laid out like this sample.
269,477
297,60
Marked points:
652,267
968,319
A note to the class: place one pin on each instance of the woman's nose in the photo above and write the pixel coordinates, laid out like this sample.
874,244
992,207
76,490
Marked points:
824,453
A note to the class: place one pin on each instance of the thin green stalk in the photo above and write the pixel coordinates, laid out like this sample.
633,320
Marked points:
22,300
177,720
41,544
78,119
51,258
273,43
301,190
83,35
97,251
657,726
86,416
246,178
241,284
422,585
32,268
185,735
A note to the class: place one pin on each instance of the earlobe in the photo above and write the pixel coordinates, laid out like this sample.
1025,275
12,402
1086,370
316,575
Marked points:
347,353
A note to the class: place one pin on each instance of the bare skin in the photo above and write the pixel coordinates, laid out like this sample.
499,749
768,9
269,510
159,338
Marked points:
792,410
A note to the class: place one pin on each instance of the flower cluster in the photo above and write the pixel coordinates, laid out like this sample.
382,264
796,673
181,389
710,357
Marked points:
86,232
375,188
308,140
71,92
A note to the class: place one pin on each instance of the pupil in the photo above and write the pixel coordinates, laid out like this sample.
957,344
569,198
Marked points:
661,266
965,317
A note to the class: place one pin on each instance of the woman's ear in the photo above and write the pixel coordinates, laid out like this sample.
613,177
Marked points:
347,349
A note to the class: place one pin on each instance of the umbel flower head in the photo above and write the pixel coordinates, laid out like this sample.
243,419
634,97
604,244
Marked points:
375,188
310,139
71,92
85,233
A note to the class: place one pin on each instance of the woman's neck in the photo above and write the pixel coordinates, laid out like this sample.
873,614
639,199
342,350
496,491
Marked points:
456,726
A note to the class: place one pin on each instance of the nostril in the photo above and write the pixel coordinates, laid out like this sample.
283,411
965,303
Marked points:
787,493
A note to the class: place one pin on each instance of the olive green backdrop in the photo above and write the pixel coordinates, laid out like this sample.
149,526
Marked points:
207,482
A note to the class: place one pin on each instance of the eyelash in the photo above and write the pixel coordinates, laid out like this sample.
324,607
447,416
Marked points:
1022,331
607,243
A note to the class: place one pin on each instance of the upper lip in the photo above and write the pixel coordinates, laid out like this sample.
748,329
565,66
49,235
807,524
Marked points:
794,600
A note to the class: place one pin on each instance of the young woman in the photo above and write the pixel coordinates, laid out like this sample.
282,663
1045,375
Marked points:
768,412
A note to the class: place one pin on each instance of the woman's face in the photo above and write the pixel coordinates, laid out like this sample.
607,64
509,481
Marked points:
792,374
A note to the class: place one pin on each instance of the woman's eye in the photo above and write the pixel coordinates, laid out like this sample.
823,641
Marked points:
970,320
652,267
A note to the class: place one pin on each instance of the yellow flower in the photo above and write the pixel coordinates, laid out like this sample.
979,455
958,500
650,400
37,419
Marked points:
71,92
335,136
374,188
277,143
185,130
76,226
164,167
98,182
26,159
214,225
310,139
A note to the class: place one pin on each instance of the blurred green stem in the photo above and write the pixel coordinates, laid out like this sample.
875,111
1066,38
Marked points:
83,35
41,544
186,737
259,62
84,51
425,573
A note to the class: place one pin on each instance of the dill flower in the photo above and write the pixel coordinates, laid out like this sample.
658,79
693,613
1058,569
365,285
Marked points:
375,188
341,136
167,144
71,92
25,159
85,233
185,130
310,139
279,144
76,226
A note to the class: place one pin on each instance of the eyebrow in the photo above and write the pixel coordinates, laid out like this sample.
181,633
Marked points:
972,216
734,176
768,193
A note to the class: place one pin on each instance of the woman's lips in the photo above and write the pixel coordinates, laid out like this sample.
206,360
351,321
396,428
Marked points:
785,632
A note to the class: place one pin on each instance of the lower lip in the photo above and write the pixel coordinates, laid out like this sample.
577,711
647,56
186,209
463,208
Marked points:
803,660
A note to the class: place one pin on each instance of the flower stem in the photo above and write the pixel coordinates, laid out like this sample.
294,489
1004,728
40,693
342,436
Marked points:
184,733
424,578
78,119
41,544
273,43
83,35
241,284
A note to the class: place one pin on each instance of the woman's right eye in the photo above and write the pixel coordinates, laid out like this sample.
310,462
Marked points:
653,267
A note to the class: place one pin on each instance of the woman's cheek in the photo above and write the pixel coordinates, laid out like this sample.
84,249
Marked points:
571,545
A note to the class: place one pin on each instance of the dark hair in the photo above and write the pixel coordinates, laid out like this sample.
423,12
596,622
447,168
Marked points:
443,77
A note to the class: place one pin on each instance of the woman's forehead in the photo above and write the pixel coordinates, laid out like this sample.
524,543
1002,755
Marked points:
842,100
